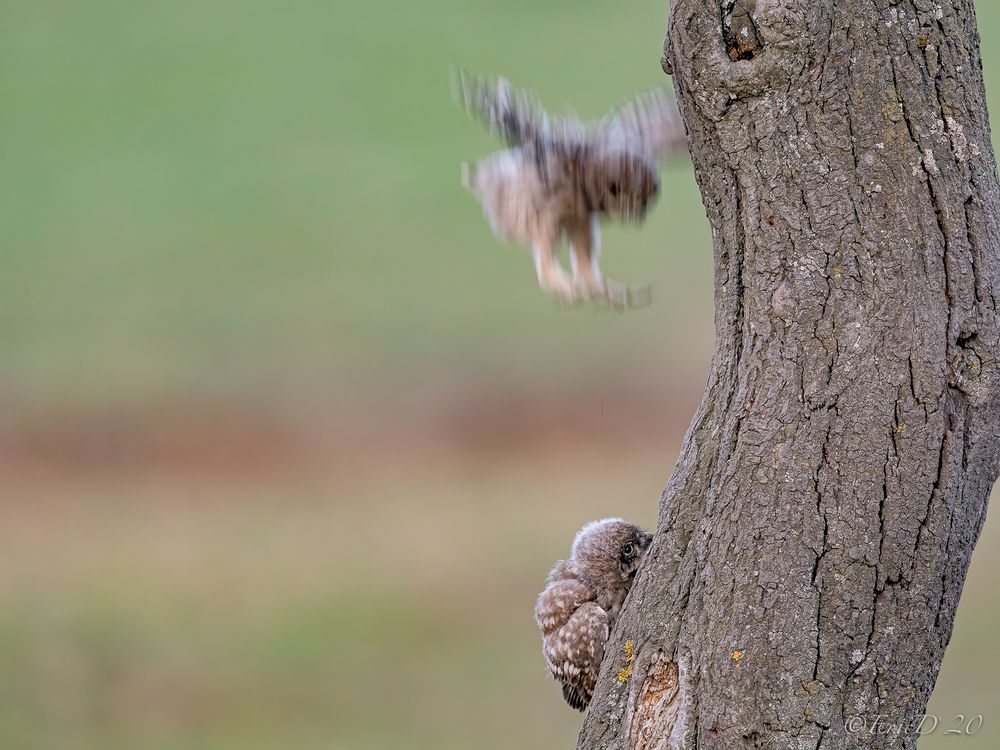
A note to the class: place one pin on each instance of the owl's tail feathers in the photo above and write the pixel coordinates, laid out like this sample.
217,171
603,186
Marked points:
575,696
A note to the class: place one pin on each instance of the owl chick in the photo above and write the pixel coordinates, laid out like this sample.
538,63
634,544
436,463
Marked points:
581,600
561,176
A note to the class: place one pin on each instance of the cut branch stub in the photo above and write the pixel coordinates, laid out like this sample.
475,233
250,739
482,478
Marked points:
655,714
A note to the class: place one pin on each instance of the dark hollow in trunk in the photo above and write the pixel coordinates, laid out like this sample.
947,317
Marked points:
813,539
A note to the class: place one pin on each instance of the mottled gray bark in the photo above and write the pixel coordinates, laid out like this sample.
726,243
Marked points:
814,537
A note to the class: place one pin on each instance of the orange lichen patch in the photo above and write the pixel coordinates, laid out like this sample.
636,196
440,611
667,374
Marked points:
626,672
812,687
737,655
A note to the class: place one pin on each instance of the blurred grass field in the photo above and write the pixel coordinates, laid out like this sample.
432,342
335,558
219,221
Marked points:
303,611
244,198
288,441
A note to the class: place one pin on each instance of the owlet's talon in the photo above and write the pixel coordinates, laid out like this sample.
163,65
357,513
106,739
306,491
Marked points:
622,297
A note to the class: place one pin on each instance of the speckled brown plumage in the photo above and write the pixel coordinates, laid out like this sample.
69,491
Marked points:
581,600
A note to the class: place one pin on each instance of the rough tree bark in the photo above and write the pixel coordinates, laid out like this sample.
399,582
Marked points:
814,537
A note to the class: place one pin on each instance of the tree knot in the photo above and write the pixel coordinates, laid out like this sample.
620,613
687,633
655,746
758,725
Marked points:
740,29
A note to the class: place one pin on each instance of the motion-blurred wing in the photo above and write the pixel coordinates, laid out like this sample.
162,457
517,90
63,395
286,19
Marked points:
514,115
650,121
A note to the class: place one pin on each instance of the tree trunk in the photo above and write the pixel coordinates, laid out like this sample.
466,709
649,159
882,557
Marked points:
814,537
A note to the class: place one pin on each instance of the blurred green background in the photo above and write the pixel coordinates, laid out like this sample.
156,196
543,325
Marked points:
288,441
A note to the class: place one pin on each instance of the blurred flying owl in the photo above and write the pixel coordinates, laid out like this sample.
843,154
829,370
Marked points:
581,600
563,176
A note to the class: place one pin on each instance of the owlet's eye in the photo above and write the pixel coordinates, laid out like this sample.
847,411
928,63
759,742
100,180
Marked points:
628,549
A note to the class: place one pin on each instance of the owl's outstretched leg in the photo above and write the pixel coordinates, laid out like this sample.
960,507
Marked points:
551,275
585,257
588,281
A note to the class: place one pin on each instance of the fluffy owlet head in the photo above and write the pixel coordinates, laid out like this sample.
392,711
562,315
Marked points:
607,553
622,184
